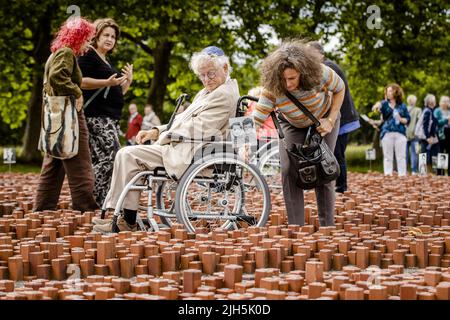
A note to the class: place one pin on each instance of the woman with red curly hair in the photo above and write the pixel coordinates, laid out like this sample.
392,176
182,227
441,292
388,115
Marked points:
64,79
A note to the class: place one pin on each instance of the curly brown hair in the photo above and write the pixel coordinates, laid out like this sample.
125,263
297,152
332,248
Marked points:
397,92
295,54
102,24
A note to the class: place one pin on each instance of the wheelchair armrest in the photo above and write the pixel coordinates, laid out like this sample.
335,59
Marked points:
178,138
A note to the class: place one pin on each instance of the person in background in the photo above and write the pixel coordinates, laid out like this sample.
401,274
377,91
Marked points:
430,145
442,114
267,131
412,145
134,124
297,68
104,110
349,120
64,79
150,119
395,117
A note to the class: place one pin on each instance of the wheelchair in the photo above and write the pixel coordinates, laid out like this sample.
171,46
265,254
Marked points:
218,190
267,157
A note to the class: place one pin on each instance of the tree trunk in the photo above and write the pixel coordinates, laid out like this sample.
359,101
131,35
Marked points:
157,89
42,41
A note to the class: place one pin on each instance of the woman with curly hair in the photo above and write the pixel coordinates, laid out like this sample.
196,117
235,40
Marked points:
395,118
64,79
297,68
104,88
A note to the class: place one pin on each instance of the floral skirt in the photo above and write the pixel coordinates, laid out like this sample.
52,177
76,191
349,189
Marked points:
104,145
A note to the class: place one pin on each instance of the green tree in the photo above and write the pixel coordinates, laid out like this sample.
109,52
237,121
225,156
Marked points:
409,47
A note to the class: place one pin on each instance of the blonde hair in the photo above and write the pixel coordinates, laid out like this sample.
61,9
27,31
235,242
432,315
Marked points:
412,99
293,54
444,99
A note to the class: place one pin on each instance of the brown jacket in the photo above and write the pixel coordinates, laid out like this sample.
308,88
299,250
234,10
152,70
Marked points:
64,74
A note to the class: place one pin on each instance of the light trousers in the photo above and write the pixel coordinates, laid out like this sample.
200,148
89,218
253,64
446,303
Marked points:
130,161
394,143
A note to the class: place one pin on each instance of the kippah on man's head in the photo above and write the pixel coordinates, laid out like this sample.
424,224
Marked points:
213,50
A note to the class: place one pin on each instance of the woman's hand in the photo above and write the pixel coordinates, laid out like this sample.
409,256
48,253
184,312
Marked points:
79,103
326,126
145,135
376,107
113,81
128,72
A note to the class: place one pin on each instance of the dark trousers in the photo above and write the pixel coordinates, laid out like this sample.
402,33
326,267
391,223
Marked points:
293,194
444,146
431,151
339,153
79,174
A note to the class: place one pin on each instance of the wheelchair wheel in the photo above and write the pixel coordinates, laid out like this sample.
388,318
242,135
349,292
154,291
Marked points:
222,191
165,200
270,168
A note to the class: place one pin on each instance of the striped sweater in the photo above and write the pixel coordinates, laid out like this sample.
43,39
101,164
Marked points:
317,101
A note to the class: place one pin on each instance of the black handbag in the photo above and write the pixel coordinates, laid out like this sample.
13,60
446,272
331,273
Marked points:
314,162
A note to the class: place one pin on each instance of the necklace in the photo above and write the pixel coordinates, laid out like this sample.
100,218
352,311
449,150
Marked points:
103,57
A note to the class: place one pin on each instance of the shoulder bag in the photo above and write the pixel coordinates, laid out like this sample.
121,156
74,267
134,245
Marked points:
315,163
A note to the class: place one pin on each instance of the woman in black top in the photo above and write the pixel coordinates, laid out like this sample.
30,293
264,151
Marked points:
103,90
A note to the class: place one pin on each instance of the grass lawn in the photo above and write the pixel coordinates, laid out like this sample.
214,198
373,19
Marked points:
356,159
18,167
355,155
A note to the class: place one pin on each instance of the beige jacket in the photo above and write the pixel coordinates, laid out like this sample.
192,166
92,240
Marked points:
207,116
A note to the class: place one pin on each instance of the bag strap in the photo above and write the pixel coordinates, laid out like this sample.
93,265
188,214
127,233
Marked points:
303,108
95,95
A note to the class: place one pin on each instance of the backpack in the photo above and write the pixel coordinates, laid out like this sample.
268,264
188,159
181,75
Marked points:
419,132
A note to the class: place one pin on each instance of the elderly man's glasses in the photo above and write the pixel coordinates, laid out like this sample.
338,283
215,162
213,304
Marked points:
210,74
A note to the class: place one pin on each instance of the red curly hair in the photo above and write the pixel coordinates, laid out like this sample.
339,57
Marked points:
74,33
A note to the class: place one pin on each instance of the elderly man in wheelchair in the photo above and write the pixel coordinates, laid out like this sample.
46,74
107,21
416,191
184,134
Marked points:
207,117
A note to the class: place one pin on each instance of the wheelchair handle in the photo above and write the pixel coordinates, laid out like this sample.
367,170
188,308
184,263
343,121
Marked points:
246,97
240,103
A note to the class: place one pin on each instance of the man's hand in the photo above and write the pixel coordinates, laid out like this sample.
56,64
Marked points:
145,135
326,126
79,103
